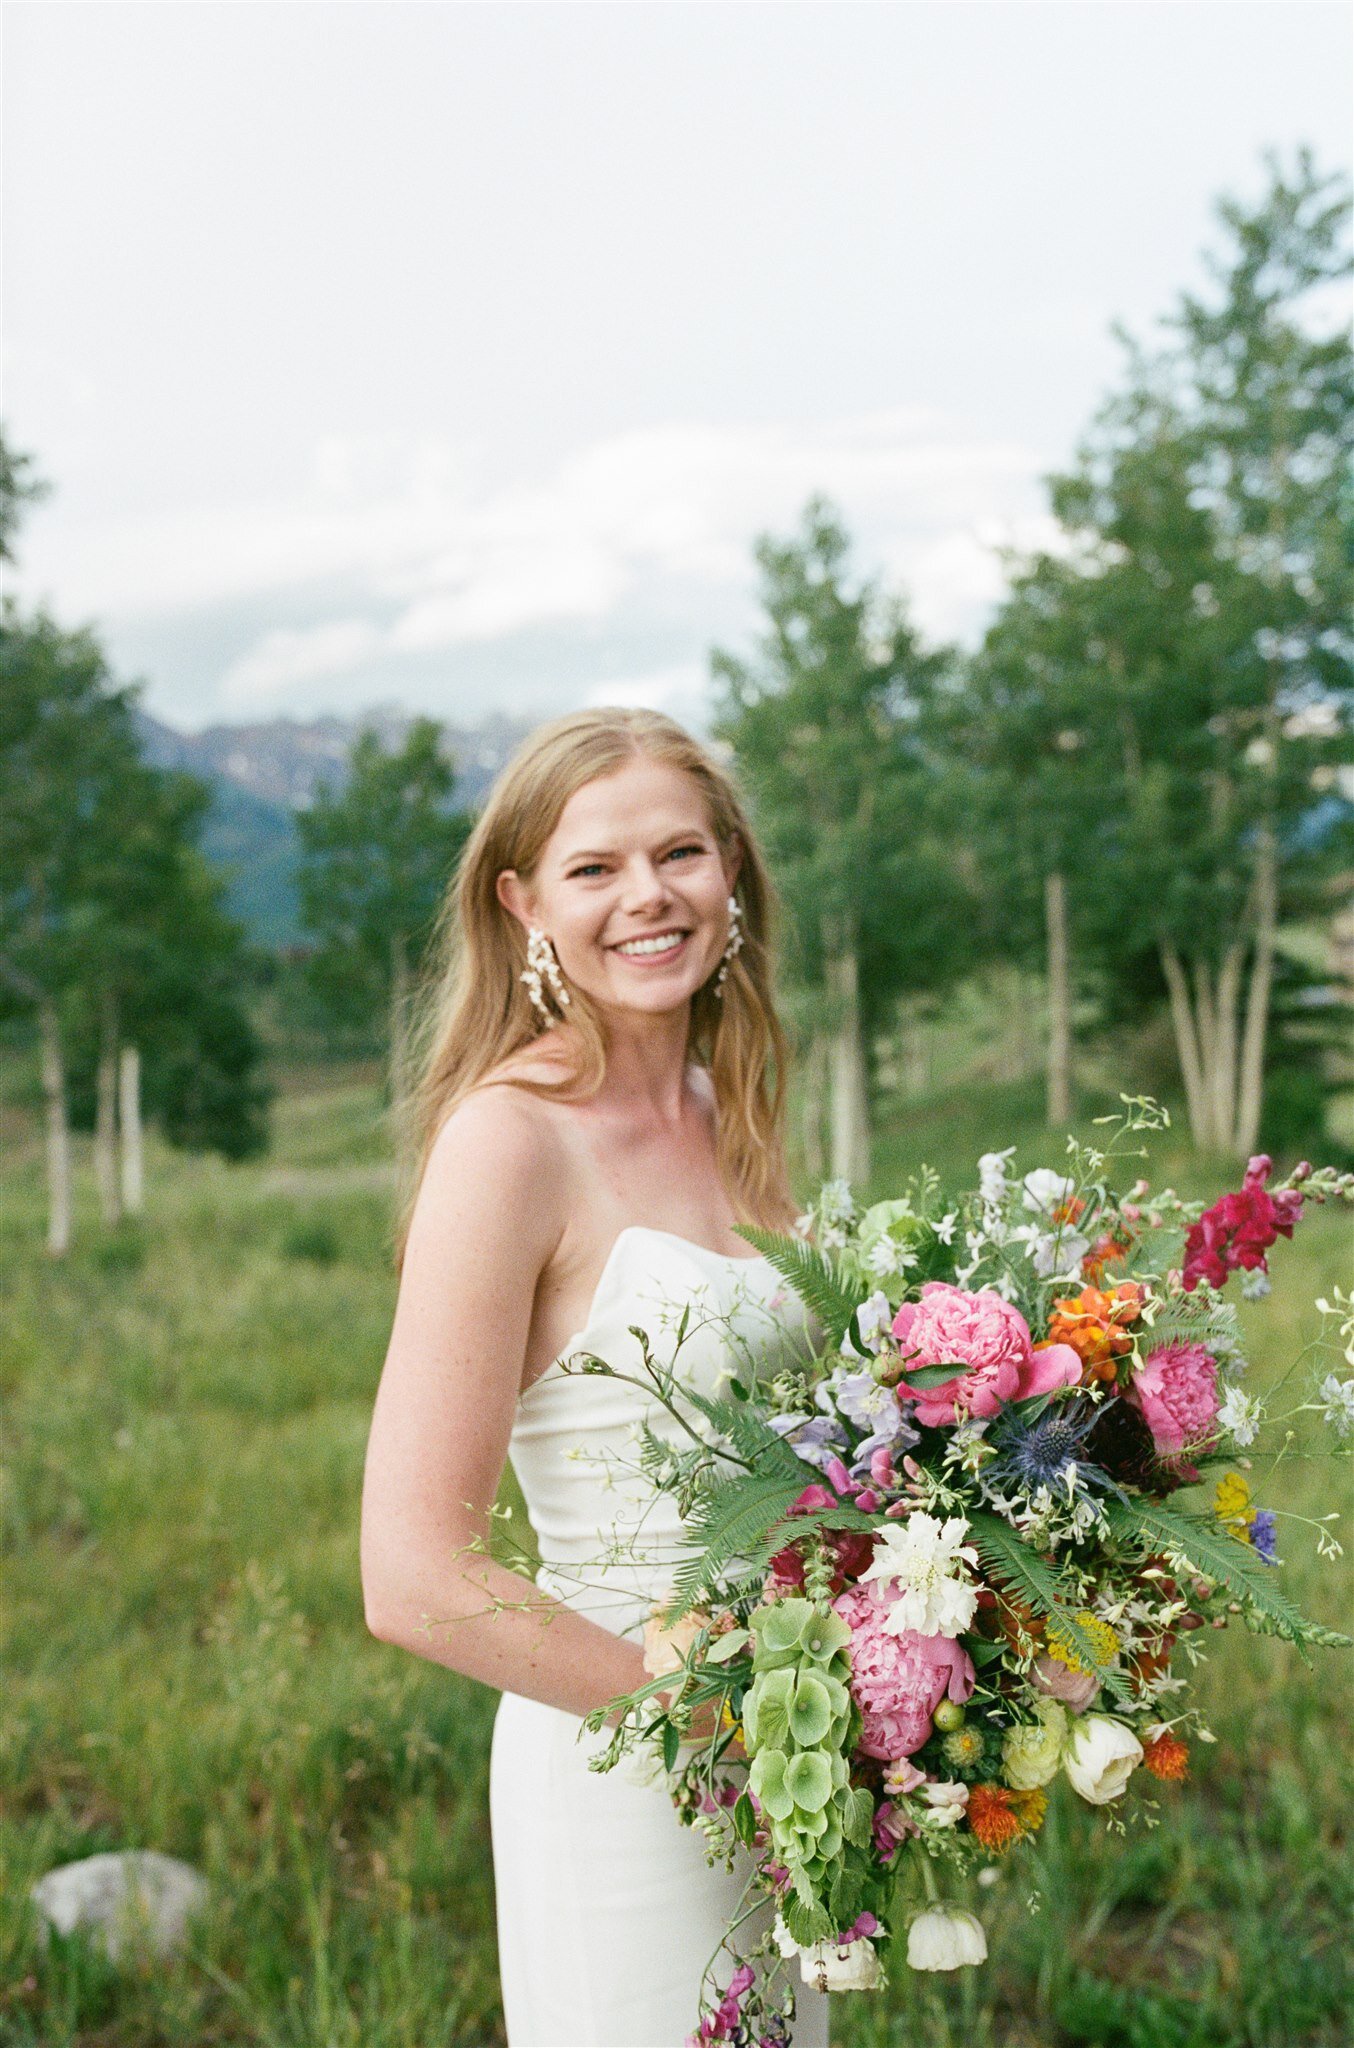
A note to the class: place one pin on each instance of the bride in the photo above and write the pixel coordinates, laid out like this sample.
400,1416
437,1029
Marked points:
601,1101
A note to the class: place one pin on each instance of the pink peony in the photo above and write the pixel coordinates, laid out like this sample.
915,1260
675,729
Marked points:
1176,1387
989,1340
898,1681
1238,1230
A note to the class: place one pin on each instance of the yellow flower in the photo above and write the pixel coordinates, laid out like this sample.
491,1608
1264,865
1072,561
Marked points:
1059,1643
1029,1808
1231,1503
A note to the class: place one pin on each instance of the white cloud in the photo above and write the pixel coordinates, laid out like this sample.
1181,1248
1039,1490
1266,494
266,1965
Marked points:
675,689
281,659
431,559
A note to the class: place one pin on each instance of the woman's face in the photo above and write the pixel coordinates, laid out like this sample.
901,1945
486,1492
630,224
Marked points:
633,858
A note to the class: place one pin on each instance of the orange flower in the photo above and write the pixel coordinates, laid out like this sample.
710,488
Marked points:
1106,1251
1093,1323
1149,1664
1015,1618
991,1817
1166,1756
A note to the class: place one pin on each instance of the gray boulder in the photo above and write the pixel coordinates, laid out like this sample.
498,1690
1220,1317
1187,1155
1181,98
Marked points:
134,1899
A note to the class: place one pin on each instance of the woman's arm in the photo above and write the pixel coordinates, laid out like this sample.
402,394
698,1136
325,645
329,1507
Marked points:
489,1215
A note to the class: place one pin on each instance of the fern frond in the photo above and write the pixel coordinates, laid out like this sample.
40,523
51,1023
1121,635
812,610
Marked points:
1008,1558
722,1526
1221,1557
820,1284
740,1424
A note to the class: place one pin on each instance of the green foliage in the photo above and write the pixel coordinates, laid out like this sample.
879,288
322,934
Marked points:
1215,1552
313,1238
1014,1564
818,1282
377,856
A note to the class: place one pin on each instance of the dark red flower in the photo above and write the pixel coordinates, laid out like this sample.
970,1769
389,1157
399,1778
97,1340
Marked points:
1238,1230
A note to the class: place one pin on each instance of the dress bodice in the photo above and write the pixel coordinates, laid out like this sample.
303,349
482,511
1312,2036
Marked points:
607,1542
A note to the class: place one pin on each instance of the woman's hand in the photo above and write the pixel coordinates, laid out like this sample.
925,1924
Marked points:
666,1649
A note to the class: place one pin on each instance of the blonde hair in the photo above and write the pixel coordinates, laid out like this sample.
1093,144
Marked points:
477,1013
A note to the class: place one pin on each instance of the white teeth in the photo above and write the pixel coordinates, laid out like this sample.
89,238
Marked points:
664,943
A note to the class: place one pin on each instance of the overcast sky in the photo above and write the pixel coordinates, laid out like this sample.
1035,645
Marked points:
456,354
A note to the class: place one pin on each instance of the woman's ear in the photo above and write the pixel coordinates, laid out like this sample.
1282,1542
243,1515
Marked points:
515,896
733,860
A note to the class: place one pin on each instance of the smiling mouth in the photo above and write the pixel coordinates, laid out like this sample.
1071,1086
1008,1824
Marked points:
661,946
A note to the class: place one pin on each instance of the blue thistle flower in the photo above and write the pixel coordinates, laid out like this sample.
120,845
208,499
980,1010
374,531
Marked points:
1046,1451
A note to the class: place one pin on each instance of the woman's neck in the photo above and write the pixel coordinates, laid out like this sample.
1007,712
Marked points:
646,1063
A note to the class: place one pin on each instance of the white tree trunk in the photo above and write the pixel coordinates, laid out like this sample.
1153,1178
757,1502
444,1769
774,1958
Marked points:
58,1132
1059,1091
1250,1090
129,1119
1186,1043
1224,1079
849,1128
106,1116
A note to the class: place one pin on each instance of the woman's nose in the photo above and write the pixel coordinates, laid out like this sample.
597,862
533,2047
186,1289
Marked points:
646,886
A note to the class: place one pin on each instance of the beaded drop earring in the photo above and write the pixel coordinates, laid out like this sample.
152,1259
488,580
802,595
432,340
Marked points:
542,961
734,945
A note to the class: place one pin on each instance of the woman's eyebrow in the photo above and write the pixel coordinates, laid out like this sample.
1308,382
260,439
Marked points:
609,852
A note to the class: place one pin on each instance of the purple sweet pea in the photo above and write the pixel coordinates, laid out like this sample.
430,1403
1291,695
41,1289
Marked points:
814,1438
860,1398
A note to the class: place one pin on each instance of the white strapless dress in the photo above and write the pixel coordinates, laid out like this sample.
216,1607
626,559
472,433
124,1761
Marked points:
608,1913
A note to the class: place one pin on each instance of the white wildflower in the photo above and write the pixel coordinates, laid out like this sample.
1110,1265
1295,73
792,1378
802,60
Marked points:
835,1202
1337,1404
1052,1251
945,1228
923,1564
884,1257
1045,1190
1240,1415
1256,1285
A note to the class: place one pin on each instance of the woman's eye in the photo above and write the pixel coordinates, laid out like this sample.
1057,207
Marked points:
588,869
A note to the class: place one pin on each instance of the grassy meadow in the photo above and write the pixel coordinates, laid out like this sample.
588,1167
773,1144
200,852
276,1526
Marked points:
186,1668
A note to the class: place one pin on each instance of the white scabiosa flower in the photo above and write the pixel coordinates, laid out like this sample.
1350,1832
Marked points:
945,1938
923,1564
1100,1758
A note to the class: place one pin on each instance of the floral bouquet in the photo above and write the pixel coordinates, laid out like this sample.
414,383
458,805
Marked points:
942,1562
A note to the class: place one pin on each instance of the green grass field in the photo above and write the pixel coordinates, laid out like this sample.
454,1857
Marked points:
186,1667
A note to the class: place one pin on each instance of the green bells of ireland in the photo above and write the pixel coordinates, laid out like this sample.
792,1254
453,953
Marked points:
798,1718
